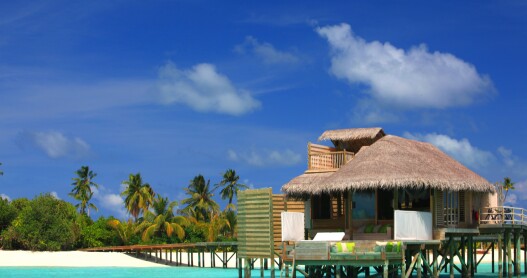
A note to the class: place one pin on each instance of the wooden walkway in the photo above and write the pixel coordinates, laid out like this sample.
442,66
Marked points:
174,253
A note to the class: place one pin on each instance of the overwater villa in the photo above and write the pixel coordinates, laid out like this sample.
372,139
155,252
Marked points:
369,192
356,185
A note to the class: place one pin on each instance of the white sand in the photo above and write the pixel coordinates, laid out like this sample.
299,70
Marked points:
108,259
71,259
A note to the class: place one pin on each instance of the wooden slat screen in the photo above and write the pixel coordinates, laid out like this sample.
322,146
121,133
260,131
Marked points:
255,225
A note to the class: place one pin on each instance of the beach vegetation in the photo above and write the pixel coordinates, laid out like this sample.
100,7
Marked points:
506,186
96,233
45,224
200,204
83,189
125,230
230,185
138,196
163,221
8,213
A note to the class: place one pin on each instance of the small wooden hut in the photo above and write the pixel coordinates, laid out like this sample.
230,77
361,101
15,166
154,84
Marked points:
367,175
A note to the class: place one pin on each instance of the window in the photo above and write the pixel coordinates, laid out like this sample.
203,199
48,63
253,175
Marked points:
321,206
414,199
450,208
364,205
385,204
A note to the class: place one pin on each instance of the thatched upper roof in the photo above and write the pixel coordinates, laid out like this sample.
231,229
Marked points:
352,139
395,162
351,134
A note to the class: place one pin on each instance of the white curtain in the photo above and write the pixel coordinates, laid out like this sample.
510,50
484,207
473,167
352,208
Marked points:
292,226
412,225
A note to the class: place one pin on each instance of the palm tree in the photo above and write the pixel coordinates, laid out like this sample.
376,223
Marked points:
162,220
507,185
230,185
82,189
138,195
200,199
125,230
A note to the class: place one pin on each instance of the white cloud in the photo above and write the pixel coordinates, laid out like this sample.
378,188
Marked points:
518,196
414,78
266,52
266,158
506,155
461,150
4,196
55,144
110,201
204,89
55,195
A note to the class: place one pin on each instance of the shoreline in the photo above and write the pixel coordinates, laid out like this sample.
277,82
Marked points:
115,259
70,259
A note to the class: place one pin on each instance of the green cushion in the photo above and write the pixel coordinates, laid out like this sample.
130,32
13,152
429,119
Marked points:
345,247
389,247
369,229
393,246
383,229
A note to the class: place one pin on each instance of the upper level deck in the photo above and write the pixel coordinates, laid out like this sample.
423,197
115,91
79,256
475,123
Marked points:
502,216
322,158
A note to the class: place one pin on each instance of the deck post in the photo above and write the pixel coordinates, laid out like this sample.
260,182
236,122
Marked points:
385,269
493,247
524,252
434,252
239,266
509,257
419,263
500,258
451,256
517,254
470,256
247,267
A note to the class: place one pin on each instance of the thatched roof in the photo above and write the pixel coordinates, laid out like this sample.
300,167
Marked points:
350,134
395,162
305,183
352,139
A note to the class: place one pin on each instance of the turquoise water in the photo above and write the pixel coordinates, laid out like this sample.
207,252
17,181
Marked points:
484,270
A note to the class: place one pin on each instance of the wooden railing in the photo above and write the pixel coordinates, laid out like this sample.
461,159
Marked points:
503,215
328,161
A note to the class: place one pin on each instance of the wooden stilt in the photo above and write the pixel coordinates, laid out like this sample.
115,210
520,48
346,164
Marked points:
436,273
451,257
419,264
470,256
517,254
500,258
247,268
509,253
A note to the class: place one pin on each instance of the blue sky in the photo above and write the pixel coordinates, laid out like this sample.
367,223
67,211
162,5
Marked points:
172,89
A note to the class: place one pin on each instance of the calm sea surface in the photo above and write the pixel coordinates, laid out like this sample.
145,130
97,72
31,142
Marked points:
484,270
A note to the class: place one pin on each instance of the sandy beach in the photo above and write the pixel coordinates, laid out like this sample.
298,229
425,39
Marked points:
108,259
71,259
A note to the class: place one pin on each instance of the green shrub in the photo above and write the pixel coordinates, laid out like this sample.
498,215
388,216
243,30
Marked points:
45,223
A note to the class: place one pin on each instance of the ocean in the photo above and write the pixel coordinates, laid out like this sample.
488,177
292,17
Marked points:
484,270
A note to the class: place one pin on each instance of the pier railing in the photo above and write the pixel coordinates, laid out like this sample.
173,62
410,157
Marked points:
503,215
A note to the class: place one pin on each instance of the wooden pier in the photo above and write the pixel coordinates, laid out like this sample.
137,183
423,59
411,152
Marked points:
174,253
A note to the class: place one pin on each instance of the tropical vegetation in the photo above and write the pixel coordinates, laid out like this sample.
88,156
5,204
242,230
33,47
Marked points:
48,223
83,189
